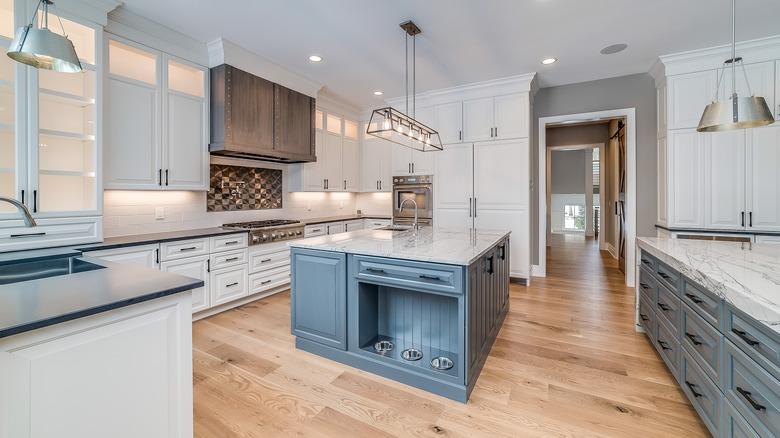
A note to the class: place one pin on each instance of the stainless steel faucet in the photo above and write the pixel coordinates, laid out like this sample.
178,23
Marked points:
28,220
414,225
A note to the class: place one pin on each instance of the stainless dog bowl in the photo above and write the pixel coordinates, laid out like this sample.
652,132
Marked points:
411,354
383,346
441,363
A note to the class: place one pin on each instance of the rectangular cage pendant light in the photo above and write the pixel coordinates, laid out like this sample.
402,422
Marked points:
390,124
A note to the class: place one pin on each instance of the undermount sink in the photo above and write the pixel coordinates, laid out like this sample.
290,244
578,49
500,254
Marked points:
53,267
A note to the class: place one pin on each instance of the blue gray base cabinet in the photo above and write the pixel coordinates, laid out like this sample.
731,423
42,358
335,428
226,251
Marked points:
343,305
727,363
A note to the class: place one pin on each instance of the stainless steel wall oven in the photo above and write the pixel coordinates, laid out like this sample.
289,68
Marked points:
420,189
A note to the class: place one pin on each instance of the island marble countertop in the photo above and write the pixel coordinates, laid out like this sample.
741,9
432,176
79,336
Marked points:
454,246
747,276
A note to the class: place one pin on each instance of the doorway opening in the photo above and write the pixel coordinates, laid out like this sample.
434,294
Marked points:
603,205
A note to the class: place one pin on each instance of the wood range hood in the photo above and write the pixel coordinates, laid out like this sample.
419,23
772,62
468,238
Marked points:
253,118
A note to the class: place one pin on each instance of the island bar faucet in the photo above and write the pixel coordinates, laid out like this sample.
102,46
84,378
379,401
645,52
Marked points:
28,220
414,225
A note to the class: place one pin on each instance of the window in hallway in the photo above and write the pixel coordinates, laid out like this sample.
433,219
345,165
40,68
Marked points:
574,217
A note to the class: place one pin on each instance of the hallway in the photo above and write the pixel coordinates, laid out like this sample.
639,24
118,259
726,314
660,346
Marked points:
567,362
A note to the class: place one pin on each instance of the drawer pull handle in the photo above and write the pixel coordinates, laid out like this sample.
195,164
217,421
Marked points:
645,261
376,271
664,307
691,386
232,284
430,277
663,345
28,235
644,317
232,242
644,286
663,275
232,258
750,400
189,249
265,260
694,298
692,338
266,282
742,334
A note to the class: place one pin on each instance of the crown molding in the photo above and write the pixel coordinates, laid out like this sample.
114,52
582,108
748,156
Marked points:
92,10
495,87
134,27
222,51
332,104
658,72
753,51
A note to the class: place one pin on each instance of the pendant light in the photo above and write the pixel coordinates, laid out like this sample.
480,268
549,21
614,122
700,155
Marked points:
735,112
42,48
390,124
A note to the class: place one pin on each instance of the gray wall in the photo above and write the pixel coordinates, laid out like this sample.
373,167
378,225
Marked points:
578,134
568,171
633,91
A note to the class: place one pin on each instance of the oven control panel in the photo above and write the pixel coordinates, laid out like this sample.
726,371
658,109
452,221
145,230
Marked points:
418,179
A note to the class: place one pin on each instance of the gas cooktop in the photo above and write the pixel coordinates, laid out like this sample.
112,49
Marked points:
269,231
261,224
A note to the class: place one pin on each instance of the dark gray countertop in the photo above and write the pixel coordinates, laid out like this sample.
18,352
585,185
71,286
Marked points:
33,304
143,239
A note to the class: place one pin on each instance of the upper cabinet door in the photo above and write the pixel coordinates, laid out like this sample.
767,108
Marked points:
724,175
511,116
454,186
293,121
761,77
12,165
689,94
350,165
132,154
332,162
250,106
478,120
448,120
401,159
661,109
686,178
764,178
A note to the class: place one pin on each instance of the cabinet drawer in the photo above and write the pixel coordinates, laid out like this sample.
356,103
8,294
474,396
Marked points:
409,275
734,425
314,230
231,241
268,280
666,344
703,394
139,255
195,267
647,317
760,343
228,284
753,392
702,301
648,261
668,277
183,248
667,307
228,258
374,223
261,262
703,342
50,232
647,285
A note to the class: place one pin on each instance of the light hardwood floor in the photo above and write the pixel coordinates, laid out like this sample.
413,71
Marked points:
567,362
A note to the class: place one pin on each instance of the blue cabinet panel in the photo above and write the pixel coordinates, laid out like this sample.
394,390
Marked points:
753,392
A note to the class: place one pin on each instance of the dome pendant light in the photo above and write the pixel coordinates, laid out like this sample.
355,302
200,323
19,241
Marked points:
42,48
736,112
390,124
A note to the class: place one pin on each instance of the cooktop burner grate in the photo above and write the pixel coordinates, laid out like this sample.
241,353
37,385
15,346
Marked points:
261,224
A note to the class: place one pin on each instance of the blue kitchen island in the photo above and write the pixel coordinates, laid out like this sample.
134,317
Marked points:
421,307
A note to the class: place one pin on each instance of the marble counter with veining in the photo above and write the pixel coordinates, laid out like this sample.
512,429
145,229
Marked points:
454,246
745,275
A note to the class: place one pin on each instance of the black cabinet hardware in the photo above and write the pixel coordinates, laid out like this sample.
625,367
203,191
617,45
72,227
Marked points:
743,218
377,185
502,248
208,265
692,338
159,177
691,386
747,396
429,277
265,260
35,201
694,298
646,262
412,167
490,265
664,307
663,275
232,284
380,185
475,207
663,345
742,335
644,286
460,135
266,281
496,132
376,271
324,186
166,177
750,215
232,258
345,184
232,242
645,319
157,255
28,235
469,207
22,196
189,248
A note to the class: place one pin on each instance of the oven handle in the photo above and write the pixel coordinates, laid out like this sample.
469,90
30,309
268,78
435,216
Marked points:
412,187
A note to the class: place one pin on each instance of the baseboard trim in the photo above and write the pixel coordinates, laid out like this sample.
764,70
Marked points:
612,251
519,280
227,306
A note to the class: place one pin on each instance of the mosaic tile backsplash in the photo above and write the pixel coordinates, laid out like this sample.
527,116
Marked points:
234,188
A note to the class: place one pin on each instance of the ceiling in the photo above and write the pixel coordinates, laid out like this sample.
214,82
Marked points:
462,41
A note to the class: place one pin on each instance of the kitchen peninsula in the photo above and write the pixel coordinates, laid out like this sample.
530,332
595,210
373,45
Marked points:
422,307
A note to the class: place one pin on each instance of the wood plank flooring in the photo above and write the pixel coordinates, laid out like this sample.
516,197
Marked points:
567,362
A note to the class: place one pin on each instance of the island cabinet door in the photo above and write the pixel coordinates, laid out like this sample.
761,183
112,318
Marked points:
319,296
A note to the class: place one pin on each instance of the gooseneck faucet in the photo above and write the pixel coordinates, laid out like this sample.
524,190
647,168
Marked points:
28,220
414,225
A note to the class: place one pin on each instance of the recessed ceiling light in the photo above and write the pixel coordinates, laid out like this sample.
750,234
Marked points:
548,61
315,58
609,50
378,93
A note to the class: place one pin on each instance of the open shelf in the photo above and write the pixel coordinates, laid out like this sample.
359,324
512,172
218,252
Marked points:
66,98
67,134
67,173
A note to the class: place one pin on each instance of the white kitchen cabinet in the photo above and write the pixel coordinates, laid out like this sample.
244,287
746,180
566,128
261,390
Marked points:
158,120
375,166
408,161
334,227
763,178
353,225
662,182
14,236
125,372
688,95
661,109
724,180
376,223
331,159
496,118
195,267
314,230
453,191
228,284
140,255
685,167
350,159
768,239
448,121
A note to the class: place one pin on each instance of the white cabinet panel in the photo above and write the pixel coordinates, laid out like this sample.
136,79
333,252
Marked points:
408,161
517,221
454,186
314,230
401,158
686,178
661,109
180,249
448,121
663,217
195,267
496,169
313,174
511,116
350,163
724,175
768,239
689,94
423,162
227,259
376,166
231,241
334,228
478,120
376,223
14,236
332,162
228,284
764,179
761,77
776,108
141,255
353,225
186,157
